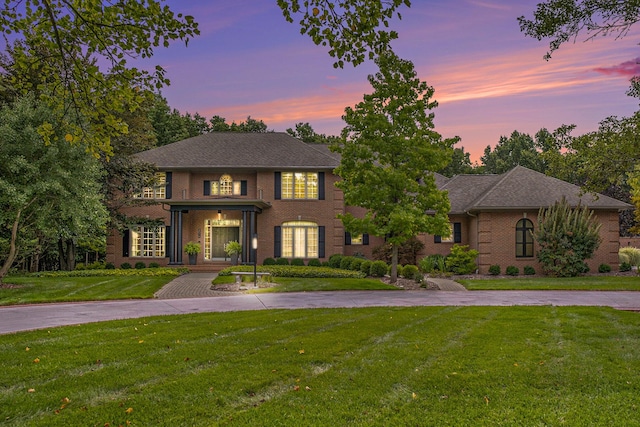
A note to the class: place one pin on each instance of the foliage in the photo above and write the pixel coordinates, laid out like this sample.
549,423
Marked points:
294,271
297,261
345,262
389,144
355,264
125,266
304,132
335,260
154,265
512,270
411,271
407,252
71,42
109,266
460,164
314,262
433,263
528,270
604,268
365,267
192,248
563,20
233,248
630,255
378,269
625,266
494,270
350,30
123,271
462,260
518,149
140,265
566,237
48,194
282,261
269,261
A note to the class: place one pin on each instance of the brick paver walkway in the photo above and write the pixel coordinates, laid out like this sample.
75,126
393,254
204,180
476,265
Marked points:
192,285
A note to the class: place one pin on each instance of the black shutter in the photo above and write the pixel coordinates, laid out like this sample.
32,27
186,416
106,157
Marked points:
320,185
243,188
277,178
167,189
321,242
125,243
277,241
167,240
207,188
347,238
365,239
437,239
457,232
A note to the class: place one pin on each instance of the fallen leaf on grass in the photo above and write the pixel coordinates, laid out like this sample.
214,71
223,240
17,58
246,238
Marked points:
129,410
31,390
36,360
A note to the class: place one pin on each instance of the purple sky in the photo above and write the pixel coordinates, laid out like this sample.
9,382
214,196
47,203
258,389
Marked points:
489,79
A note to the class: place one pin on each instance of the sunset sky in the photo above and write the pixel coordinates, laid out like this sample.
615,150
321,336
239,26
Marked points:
489,78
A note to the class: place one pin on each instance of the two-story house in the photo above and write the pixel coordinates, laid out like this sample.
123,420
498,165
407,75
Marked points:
221,187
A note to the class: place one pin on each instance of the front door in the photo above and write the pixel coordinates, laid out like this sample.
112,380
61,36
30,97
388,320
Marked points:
220,236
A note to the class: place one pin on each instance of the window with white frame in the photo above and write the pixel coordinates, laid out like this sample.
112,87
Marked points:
226,186
157,190
148,242
299,185
300,239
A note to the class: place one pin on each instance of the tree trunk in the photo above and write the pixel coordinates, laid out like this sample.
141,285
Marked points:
13,250
394,264
67,254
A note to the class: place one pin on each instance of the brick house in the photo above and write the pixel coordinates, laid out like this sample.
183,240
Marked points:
220,187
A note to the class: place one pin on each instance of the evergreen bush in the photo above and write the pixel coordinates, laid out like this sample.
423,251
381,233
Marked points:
378,269
154,265
512,270
355,264
410,271
314,262
529,271
604,268
345,262
365,267
625,266
494,270
269,261
462,260
125,266
282,261
335,260
140,265
297,261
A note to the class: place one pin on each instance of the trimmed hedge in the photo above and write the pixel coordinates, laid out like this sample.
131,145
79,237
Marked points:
295,271
115,272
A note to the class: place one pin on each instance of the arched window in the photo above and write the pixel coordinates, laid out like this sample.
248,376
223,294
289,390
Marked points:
226,185
524,238
299,239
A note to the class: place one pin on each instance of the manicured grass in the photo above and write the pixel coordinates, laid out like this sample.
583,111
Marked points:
584,283
296,284
31,289
440,366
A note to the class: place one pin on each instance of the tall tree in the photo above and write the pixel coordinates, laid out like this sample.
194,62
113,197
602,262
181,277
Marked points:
389,145
350,28
304,132
81,38
518,149
460,164
46,192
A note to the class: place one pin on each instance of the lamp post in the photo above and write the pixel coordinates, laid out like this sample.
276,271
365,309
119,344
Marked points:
254,248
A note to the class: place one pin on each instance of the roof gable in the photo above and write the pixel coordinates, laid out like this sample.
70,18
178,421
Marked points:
240,150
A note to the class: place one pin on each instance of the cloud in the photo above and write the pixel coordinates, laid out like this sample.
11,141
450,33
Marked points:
626,69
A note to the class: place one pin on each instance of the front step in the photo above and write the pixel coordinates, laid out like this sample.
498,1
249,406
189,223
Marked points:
207,267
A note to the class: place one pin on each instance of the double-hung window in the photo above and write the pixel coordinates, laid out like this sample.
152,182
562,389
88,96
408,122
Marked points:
156,191
299,186
225,186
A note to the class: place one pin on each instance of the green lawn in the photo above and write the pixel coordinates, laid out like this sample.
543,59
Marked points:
296,284
584,283
31,289
440,366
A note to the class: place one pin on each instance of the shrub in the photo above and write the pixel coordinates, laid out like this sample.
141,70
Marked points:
297,261
314,263
512,270
355,264
345,262
154,265
110,266
407,252
378,269
334,260
97,265
566,237
125,266
625,266
604,268
282,261
295,271
140,265
410,271
494,270
462,260
630,255
80,266
269,261
529,271
365,267
433,263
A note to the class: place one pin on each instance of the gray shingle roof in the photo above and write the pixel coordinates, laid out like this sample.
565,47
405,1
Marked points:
520,188
239,150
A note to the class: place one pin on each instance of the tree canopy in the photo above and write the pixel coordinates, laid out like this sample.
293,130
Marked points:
389,144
